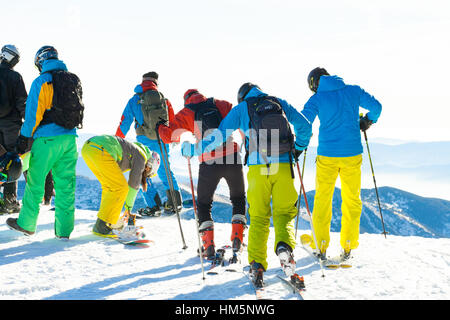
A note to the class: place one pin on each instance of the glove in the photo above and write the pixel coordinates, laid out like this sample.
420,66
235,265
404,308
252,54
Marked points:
187,149
298,151
364,123
21,144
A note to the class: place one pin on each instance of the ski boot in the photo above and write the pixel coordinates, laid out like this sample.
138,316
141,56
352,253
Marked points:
284,253
257,274
206,230
10,205
169,207
238,225
12,224
150,212
102,229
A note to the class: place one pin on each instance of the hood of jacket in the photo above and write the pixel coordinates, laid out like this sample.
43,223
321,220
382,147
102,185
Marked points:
194,98
254,92
330,83
145,86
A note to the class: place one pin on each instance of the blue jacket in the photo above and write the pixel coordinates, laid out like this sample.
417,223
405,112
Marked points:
337,106
39,100
238,118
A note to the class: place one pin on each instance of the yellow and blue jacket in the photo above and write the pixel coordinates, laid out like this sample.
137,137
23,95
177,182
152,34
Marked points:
40,100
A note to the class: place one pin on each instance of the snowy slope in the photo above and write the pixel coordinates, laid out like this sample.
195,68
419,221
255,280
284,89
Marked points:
88,267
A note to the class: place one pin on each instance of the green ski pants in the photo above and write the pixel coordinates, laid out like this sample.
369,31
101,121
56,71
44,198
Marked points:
59,154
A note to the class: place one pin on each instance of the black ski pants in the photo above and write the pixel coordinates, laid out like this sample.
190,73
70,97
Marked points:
209,177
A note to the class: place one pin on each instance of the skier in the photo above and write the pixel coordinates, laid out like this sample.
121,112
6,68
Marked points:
339,153
108,157
270,174
146,108
13,96
53,113
198,116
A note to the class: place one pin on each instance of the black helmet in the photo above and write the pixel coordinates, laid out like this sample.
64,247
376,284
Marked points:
244,90
44,53
11,165
10,54
314,77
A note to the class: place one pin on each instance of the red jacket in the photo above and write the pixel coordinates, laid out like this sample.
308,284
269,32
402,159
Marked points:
185,121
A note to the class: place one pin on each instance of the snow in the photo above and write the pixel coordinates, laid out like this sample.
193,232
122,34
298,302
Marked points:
88,267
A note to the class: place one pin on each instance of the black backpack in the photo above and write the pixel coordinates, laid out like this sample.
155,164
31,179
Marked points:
266,115
67,106
207,113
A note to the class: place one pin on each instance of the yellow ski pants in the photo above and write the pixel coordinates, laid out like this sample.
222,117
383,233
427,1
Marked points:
327,171
114,184
276,188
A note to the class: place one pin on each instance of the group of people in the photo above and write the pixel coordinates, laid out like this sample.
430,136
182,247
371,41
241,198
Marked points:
265,124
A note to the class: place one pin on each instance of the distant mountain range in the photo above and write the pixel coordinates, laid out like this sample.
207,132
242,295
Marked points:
404,213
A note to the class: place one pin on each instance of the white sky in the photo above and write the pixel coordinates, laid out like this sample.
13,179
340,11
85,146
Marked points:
396,50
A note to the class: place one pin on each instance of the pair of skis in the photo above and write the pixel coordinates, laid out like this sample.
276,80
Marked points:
329,263
264,291
225,260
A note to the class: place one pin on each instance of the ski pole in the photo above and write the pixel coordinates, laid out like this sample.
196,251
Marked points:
300,194
375,183
196,217
310,216
169,179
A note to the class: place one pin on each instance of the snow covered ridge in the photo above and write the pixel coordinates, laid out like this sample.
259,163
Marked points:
404,213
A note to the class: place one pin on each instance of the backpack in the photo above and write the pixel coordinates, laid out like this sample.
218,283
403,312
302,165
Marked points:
266,115
207,113
67,106
154,109
5,106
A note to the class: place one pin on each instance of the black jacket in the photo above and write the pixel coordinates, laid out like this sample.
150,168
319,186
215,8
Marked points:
14,107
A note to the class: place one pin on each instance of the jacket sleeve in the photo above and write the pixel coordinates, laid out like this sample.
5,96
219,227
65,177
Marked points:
126,119
302,126
170,110
134,179
39,100
181,122
20,96
369,102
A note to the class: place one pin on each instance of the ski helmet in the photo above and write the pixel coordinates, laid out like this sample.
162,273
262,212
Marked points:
244,90
10,54
11,166
314,77
44,53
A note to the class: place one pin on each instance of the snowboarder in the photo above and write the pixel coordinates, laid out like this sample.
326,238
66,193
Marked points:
55,92
269,177
146,108
339,153
108,157
13,96
198,116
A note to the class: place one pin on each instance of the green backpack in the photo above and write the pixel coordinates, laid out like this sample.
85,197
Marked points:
154,108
